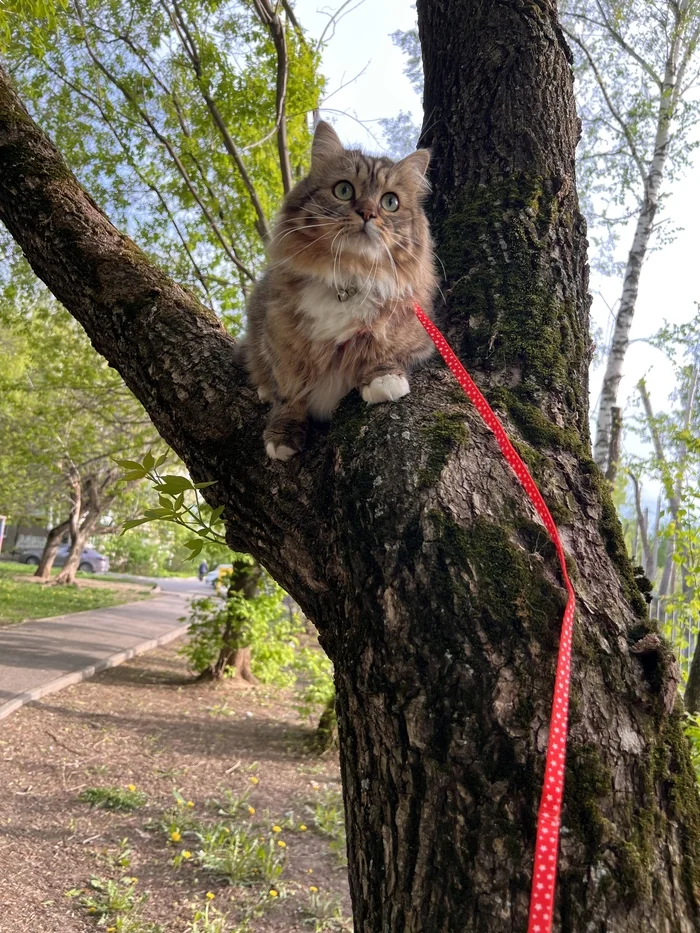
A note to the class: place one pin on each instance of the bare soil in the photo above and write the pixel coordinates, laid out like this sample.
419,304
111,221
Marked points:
148,724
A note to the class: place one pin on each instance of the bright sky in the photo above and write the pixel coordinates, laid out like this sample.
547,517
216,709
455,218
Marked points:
670,283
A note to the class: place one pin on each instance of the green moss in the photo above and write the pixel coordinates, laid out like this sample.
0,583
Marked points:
509,588
588,782
445,433
508,305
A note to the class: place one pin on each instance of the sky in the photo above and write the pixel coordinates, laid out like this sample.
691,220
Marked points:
670,284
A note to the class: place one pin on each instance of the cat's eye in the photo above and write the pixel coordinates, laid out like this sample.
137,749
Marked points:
390,202
344,191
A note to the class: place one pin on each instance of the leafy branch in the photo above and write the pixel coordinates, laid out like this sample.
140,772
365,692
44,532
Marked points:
179,501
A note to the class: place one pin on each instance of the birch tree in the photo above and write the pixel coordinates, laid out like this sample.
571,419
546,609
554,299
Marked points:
637,64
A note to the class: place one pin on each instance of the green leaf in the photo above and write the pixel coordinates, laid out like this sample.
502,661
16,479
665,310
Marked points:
157,513
132,475
211,482
161,460
129,464
149,461
174,484
133,522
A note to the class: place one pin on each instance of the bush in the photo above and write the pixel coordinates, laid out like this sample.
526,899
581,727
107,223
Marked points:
259,622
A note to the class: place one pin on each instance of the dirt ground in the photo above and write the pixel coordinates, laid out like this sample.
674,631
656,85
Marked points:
147,725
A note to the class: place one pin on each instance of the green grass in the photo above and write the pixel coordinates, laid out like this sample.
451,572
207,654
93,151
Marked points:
113,798
20,601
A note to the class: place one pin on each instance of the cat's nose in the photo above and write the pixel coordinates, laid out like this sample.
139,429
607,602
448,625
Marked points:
367,210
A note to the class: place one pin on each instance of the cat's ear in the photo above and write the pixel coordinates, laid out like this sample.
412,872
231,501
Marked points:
416,163
326,144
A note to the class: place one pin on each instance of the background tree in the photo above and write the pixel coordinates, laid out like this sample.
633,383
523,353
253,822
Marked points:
637,66
405,537
188,121
64,417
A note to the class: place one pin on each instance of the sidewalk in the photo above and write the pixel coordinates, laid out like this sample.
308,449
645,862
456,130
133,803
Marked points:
47,655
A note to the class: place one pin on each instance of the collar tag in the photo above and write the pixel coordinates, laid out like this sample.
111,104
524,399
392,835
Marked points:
345,293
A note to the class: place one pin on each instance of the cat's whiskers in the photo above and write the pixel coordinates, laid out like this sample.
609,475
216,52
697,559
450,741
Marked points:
295,229
336,256
294,255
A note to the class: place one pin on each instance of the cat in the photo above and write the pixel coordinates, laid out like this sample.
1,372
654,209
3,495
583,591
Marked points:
349,255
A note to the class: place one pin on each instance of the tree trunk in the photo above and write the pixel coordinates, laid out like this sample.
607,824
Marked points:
235,657
78,542
692,688
326,735
48,555
402,532
637,254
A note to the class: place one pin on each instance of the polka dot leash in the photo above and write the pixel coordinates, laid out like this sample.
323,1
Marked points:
549,814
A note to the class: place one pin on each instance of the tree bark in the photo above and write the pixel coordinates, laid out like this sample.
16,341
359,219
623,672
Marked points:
402,532
48,555
668,100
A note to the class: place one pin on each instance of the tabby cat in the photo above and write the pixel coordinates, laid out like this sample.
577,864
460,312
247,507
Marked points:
350,254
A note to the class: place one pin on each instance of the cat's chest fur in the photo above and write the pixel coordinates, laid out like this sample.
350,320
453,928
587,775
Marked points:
331,319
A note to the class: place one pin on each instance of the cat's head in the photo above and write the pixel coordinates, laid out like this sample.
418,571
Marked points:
355,215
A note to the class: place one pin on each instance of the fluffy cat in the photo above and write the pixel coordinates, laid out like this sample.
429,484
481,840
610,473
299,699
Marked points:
350,253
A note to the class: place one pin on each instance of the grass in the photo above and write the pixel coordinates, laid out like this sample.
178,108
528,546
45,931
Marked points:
113,798
328,814
20,600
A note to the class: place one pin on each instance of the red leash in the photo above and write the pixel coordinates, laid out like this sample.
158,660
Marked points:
549,815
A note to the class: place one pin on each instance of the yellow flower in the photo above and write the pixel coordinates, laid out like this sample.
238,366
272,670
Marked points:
131,787
190,803
254,780
281,843
274,893
302,828
210,896
251,810
276,829
186,853
226,829
134,880
313,888
310,871
175,836
111,929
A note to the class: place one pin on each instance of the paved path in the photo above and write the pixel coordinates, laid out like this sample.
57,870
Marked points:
46,655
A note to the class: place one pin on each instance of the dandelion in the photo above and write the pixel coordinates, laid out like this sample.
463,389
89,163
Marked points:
251,810
134,880
254,780
175,836
186,853
281,843
210,895
274,893
302,828
276,829
313,888
226,829
190,803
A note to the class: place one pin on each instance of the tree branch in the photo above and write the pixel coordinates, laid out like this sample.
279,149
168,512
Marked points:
623,127
275,26
189,45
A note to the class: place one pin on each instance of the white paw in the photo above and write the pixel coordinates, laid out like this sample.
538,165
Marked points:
385,389
279,451
264,394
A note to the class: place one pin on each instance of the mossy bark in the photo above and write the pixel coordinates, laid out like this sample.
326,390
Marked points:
403,533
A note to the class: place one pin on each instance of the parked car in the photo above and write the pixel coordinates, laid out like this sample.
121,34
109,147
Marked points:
212,578
91,561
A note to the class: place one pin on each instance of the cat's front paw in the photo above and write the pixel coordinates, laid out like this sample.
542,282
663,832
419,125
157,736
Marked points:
279,451
385,389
